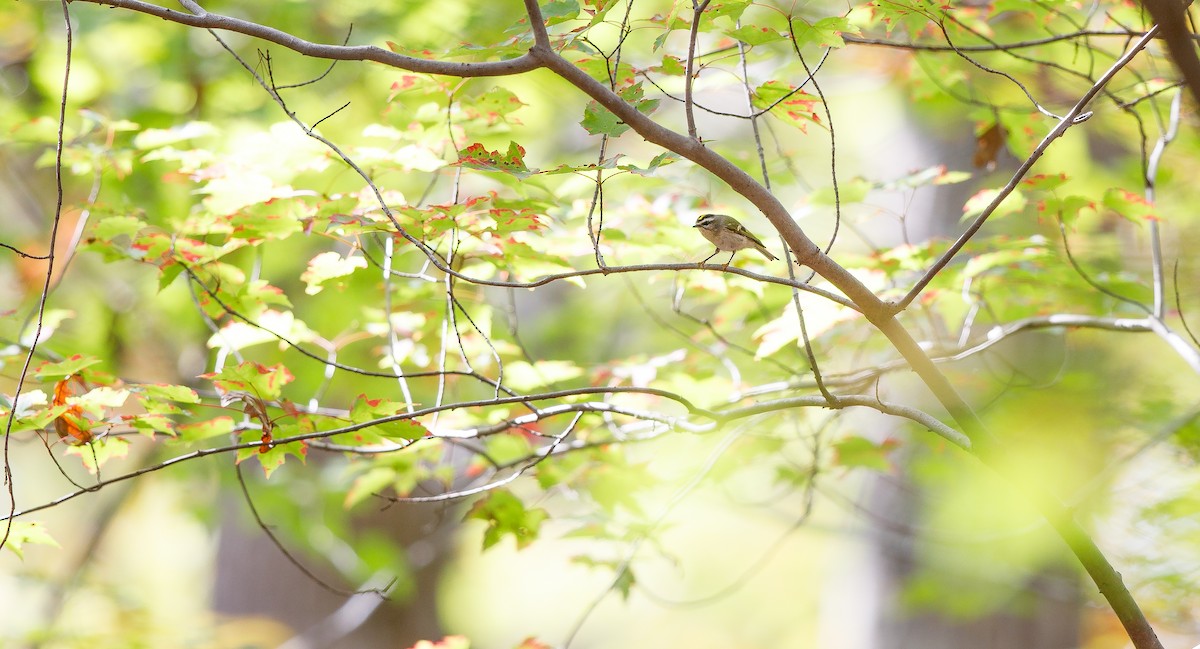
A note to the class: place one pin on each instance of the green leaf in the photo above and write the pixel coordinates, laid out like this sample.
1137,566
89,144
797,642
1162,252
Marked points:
855,451
277,218
527,261
168,392
22,533
102,449
1068,208
625,582
635,95
671,65
598,120
753,35
496,105
1128,205
30,411
826,32
150,424
559,11
602,70
114,226
614,483
661,160
732,9
214,427
505,514
507,220
368,410
1045,182
788,103
62,369
509,447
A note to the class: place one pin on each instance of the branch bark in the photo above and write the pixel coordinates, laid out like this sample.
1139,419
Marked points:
1171,16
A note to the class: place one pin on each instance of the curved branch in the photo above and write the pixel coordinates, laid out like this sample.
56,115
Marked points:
847,401
208,20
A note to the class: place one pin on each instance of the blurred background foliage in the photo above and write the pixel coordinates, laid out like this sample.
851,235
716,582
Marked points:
791,529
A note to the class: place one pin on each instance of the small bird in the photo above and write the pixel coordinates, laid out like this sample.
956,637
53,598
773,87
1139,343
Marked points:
727,234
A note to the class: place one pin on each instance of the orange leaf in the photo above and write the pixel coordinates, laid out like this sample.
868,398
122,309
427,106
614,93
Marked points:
988,146
71,423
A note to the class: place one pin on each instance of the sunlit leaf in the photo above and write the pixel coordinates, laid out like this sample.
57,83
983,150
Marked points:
153,138
521,375
168,392
22,533
754,35
329,265
262,381
370,410
97,452
48,371
790,104
826,32
977,204
215,427
477,156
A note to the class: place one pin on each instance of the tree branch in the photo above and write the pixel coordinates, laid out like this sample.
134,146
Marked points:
1171,16
207,20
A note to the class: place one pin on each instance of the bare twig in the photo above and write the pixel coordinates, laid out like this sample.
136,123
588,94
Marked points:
1074,116
45,295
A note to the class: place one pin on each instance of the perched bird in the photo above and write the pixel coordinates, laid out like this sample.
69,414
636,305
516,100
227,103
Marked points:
727,234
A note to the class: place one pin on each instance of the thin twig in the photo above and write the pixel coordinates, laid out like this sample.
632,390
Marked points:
1074,116
45,295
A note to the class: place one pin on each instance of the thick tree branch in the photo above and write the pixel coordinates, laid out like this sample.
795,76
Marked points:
1172,20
